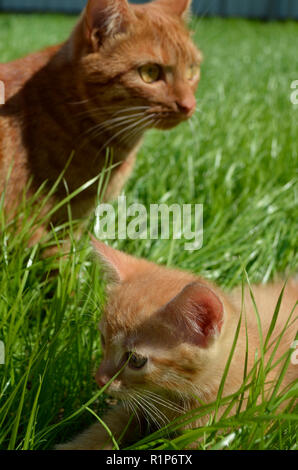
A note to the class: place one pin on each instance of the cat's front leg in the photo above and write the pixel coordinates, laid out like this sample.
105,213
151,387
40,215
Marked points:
96,436
121,175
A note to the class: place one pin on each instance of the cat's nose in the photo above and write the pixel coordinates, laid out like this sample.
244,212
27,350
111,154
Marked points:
101,379
187,105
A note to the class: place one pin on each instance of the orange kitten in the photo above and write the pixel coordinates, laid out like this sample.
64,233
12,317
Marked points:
124,69
171,332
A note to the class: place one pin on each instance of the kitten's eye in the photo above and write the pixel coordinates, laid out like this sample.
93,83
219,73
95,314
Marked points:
150,73
193,72
136,361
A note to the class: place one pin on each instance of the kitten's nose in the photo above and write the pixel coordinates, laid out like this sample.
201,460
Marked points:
101,379
187,105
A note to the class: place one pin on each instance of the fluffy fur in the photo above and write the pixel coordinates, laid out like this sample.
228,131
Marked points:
184,326
86,95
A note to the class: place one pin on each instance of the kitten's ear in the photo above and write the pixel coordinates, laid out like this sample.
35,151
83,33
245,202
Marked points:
118,266
178,7
105,18
197,313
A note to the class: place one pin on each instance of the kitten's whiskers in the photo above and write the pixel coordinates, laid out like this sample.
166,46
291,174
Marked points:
164,402
131,406
156,415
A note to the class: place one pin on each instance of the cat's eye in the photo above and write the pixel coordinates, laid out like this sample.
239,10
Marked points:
137,361
150,73
193,72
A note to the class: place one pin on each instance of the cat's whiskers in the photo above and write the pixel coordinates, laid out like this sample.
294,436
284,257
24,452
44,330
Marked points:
192,391
138,130
170,405
132,119
101,112
185,400
117,121
132,407
111,124
154,402
164,401
122,131
116,117
173,378
155,413
161,419
139,406
151,416
133,108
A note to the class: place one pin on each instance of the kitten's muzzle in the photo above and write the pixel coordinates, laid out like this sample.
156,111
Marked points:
103,374
102,378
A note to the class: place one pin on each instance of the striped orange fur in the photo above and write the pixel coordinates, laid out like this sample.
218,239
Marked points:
87,95
168,335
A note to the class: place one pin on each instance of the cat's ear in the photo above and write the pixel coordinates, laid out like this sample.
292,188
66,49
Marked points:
118,266
197,314
178,7
106,18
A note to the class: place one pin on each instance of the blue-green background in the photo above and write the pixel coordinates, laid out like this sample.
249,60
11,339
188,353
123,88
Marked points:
265,9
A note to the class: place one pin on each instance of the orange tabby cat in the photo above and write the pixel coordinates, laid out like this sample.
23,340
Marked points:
171,332
125,69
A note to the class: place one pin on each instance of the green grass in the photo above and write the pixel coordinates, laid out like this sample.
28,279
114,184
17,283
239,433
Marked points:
239,159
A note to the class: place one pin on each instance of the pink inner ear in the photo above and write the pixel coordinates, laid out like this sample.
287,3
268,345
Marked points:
198,314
